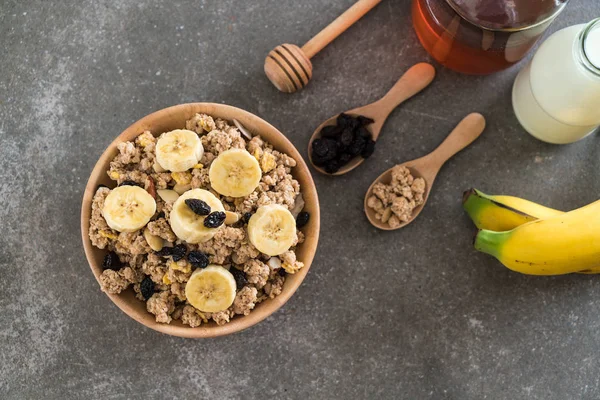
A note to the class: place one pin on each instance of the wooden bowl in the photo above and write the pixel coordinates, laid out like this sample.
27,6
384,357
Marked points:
174,118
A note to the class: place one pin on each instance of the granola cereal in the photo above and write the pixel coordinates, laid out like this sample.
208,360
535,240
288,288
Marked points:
229,245
394,202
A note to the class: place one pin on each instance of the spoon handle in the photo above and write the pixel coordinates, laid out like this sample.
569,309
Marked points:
337,27
417,78
461,136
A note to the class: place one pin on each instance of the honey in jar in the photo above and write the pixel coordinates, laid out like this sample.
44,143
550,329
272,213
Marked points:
482,36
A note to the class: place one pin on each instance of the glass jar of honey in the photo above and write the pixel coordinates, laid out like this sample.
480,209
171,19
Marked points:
482,36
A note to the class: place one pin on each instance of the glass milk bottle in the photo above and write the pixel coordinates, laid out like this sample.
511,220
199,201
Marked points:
556,97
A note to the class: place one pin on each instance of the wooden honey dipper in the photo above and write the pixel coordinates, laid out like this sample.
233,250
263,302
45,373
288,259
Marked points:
288,66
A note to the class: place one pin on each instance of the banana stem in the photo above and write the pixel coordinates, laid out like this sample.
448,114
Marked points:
489,242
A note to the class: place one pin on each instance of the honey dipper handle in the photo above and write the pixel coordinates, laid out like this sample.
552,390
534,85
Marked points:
463,135
337,27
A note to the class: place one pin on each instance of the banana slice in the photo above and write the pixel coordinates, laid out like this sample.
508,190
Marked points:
235,173
272,229
128,208
188,225
211,289
178,150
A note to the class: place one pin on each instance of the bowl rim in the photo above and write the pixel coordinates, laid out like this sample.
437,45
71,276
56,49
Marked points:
266,308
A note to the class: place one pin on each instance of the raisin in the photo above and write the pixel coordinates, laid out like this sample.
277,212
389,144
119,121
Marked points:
302,219
364,133
345,120
332,166
111,261
331,131
347,137
281,272
129,183
357,146
246,217
198,206
239,276
164,252
198,259
365,120
325,149
147,288
369,149
215,219
160,215
178,252
345,158
318,161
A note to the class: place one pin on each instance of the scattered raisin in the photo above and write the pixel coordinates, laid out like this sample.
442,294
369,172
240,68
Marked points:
246,217
332,166
365,120
111,261
347,137
281,272
368,150
178,252
215,219
198,259
164,252
357,146
324,150
130,183
364,133
198,206
239,276
302,219
345,158
345,120
147,288
331,131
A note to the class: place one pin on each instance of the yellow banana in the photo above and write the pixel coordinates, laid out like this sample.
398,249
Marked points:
502,213
561,244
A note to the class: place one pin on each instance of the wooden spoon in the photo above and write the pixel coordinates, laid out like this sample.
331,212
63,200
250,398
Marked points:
412,82
428,167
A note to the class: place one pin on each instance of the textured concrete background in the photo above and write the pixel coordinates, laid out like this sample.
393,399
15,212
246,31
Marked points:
413,314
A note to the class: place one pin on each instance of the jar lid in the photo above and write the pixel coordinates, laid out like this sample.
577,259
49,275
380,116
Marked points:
507,14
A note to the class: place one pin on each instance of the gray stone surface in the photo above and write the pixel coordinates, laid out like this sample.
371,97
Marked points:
413,314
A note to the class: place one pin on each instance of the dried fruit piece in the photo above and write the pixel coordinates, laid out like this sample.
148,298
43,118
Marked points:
112,261
215,219
147,288
332,166
198,206
347,137
239,276
198,259
368,150
357,146
331,131
178,252
165,252
246,217
302,219
365,120
324,150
